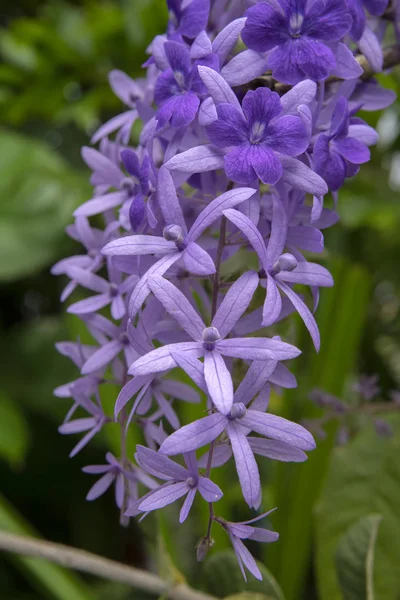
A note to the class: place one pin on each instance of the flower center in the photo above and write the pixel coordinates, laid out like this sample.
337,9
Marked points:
180,79
295,24
128,185
191,481
113,290
257,132
238,411
286,262
124,339
210,336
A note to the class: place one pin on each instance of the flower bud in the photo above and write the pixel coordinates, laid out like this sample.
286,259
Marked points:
238,411
287,262
203,547
173,233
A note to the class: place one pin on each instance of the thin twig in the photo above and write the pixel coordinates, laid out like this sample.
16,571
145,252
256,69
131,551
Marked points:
87,562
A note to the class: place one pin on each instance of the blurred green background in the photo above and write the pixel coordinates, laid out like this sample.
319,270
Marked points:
54,61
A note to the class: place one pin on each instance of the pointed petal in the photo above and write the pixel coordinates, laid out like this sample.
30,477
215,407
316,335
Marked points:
102,357
235,302
168,200
129,390
192,366
216,208
257,349
142,289
209,490
197,160
159,465
246,465
198,261
177,305
279,224
247,227
193,436
187,505
304,313
164,495
276,450
100,487
278,428
273,303
138,245
160,359
219,381
256,377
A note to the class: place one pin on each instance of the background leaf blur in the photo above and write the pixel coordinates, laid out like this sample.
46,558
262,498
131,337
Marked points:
54,59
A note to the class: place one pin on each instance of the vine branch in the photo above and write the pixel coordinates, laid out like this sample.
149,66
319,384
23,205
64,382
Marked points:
74,558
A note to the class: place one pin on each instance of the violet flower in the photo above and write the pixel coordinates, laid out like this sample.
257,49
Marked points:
302,36
115,473
209,341
181,482
281,270
244,530
339,153
178,87
256,137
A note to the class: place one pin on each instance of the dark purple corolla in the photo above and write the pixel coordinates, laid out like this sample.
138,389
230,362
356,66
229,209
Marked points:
301,36
178,87
256,137
338,153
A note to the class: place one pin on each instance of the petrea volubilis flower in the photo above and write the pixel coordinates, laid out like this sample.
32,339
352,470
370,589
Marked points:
303,37
167,220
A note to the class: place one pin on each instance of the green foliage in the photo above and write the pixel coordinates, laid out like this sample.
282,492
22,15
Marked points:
363,479
14,432
249,596
56,66
38,191
355,559
222,577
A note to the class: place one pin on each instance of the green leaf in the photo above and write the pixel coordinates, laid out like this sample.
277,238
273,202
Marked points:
58,583
363,479
38,192
355,559
14,432
222,577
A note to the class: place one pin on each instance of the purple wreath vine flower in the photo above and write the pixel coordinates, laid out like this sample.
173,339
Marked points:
180,481
256,137
303,37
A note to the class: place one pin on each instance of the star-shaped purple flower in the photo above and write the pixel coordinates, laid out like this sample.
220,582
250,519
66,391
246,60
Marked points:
301,36
211,342
338,153
178,87
257,136
180,482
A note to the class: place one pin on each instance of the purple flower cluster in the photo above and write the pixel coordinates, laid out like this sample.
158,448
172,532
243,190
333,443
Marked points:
223,170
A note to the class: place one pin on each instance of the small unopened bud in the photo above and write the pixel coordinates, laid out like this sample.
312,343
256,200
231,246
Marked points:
287,262
210,336
238,411
203,547
173,233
